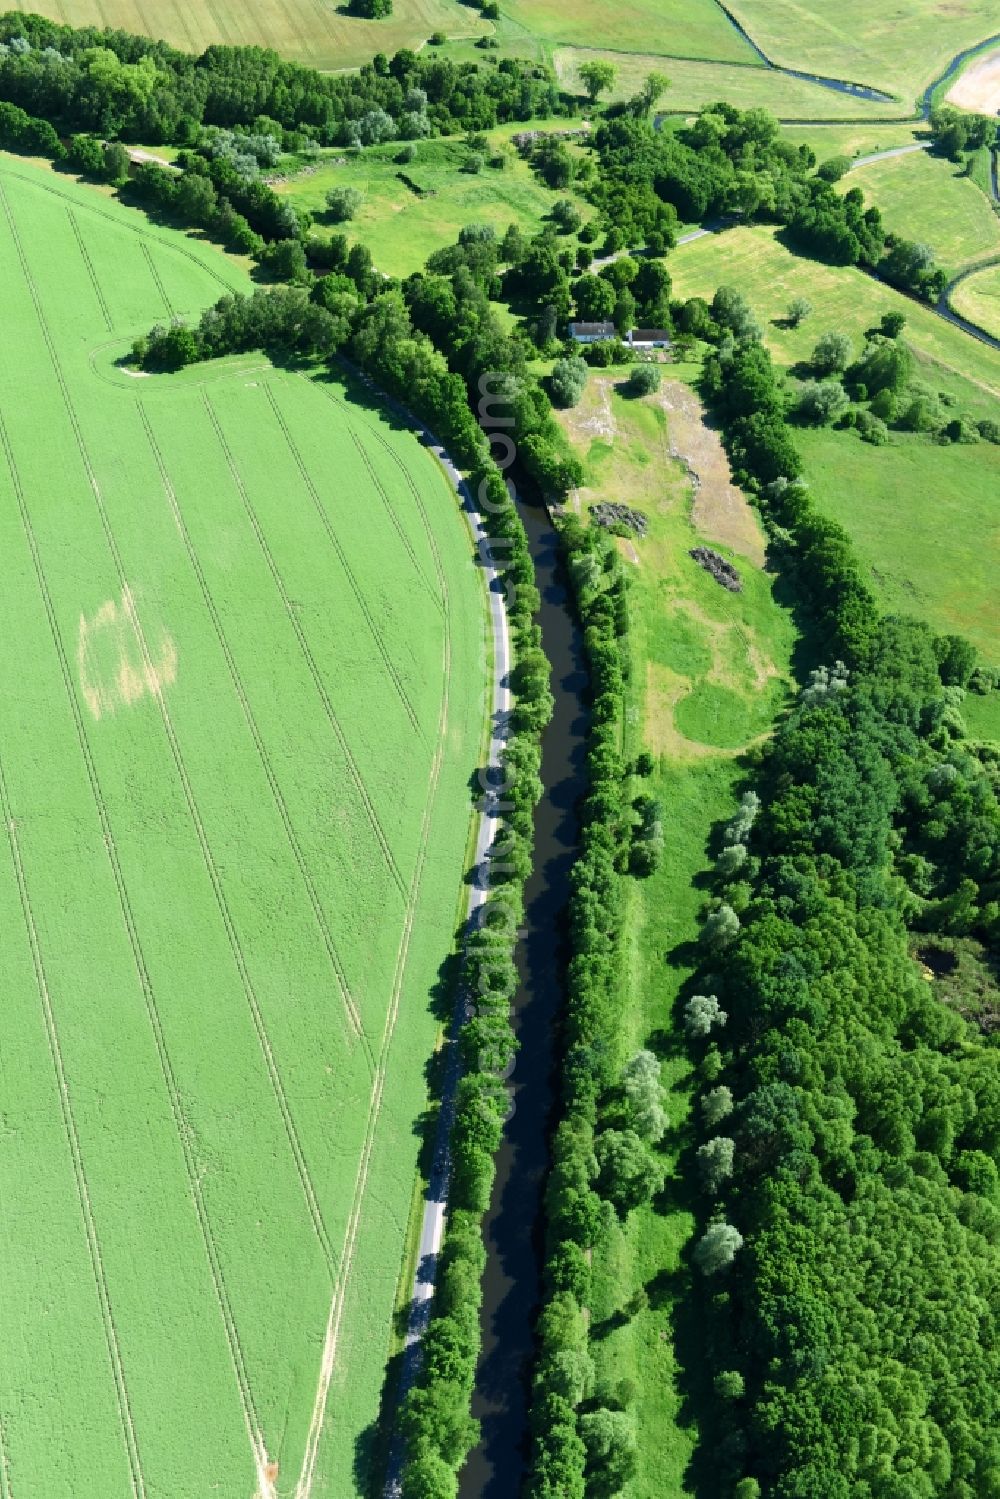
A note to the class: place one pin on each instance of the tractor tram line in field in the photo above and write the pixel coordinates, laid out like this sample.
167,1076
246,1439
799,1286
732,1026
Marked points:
304,1486
237,1356
350,1005
331,714
58,1065
158,281
305,1180
335,542
98,293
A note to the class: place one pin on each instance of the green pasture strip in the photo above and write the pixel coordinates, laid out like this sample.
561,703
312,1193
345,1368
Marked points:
978,299
693,644
923,517
684,28
839,139
320,36
926,198
695,84
899,48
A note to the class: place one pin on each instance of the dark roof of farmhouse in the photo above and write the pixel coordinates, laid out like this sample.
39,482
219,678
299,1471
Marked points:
592,328
650,335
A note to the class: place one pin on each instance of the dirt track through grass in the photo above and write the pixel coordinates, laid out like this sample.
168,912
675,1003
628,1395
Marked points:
239,985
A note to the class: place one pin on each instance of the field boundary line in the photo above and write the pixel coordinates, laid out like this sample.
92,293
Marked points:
303,1488
142,971
98,293
137,1482
143,229
328,527
353,767
135,624
349,1003
167,304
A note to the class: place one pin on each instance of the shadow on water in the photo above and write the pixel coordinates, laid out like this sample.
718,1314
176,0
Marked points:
512,1229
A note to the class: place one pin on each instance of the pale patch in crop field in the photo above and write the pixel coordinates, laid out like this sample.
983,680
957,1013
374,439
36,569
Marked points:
244,612
113,672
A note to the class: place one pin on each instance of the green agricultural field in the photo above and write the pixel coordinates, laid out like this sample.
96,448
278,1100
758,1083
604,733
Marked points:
315,32
710,670
695,84
898,45
926,198
670,28
978,299
240,699
402,227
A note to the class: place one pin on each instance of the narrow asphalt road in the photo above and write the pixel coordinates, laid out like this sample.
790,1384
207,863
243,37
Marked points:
435,1201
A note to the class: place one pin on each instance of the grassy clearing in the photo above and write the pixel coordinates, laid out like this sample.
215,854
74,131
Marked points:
899,47
695,84
401,227
693,645
673,28
306,31
926,198
228,883
978,299
852,139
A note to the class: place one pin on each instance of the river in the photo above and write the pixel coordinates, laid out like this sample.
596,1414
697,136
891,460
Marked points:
513,1226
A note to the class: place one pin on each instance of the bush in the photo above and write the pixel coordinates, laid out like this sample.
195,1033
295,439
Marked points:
643,380
701,1012
834,168
871,428
717,1248
832,354
821,402
343,203
568,380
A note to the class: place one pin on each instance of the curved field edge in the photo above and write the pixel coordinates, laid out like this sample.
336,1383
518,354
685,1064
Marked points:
321,36
197,892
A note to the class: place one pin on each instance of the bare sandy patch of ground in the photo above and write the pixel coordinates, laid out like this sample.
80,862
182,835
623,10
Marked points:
979,86
720,510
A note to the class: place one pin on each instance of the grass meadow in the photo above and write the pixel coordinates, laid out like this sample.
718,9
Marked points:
402,227
671,28
693,84
851,139
314,32
240,699
928,199
923,516
978,299
899,46
710,670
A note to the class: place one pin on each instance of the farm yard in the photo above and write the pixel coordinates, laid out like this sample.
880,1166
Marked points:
320,34
239,706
